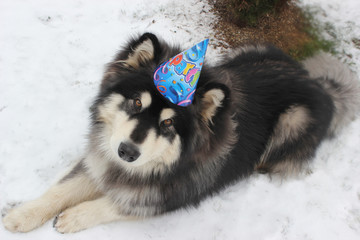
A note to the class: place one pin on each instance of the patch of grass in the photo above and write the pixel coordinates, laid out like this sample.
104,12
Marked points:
313,41
287,26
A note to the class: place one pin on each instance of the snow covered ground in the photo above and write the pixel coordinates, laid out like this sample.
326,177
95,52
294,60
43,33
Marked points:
52,55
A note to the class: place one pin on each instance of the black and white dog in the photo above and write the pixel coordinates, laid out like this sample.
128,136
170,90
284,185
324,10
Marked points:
259,110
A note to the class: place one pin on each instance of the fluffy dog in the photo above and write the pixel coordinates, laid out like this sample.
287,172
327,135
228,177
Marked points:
259,110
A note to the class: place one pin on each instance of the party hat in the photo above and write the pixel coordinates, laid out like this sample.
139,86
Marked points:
177,78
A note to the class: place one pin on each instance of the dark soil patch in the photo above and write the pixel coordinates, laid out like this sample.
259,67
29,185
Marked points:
288,29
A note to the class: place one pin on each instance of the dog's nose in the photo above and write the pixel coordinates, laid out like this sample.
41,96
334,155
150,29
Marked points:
128,152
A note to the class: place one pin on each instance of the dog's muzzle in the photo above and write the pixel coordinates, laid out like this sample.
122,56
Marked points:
128,152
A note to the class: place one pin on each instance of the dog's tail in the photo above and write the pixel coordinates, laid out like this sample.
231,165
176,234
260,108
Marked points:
340,83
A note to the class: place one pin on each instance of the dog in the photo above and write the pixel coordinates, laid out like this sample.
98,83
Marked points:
257,111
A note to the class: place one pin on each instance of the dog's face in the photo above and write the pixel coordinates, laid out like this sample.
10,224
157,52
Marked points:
138,127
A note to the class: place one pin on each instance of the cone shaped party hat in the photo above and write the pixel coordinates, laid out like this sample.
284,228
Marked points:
177,78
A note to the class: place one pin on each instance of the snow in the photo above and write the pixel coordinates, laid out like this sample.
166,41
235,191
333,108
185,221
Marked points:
52,56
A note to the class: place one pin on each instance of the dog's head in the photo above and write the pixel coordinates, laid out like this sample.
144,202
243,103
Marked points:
135,126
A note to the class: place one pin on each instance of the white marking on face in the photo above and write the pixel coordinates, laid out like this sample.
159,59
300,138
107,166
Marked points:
167,113
145,98
153,149
172,152
157,153
122,130
118,124
108,110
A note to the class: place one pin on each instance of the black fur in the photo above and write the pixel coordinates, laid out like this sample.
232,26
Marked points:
260,84
79,168
258,110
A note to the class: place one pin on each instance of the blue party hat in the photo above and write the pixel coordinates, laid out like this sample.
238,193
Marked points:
177,78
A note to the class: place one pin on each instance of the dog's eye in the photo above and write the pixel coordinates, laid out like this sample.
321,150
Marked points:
168,122
137,103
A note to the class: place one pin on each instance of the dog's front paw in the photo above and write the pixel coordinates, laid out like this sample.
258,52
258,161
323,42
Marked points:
74,219
23,219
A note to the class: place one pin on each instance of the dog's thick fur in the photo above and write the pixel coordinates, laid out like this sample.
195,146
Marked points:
257,111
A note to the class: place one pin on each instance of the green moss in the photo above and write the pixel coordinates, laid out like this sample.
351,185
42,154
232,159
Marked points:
315,40
313,45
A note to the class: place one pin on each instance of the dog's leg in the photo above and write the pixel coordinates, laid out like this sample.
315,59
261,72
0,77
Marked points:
292,144
88,214
74,188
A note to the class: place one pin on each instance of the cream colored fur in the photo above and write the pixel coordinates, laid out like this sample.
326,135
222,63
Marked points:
88,214
290,125
59,197
211,101
157,153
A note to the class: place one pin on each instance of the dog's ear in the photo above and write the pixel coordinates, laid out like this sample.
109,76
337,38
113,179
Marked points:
141,51
213,98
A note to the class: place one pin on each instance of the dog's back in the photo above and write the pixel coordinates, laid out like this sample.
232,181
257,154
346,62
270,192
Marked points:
285,108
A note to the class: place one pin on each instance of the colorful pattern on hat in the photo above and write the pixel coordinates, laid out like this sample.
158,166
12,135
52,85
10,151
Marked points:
177,78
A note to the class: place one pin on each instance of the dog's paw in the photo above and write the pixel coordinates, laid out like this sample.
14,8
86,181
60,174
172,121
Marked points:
74,219
23,219
8,207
